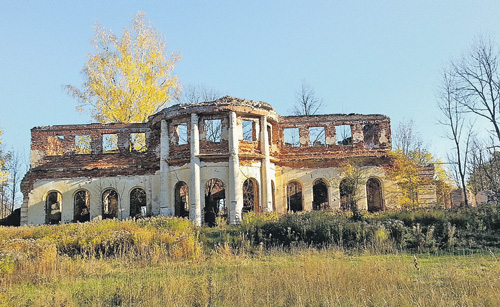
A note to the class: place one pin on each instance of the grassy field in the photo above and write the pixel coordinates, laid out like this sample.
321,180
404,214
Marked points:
413,259
305,277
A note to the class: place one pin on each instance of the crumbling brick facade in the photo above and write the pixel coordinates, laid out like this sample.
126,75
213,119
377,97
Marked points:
220,158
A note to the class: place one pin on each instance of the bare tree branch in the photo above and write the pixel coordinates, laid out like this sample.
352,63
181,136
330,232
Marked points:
306,101
454,119
476,82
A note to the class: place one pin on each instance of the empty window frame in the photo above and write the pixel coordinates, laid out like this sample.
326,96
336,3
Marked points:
182,134
55,145
370,135
110,204
292,137
138,142
344,136
109,143
138,207
82,144
248,127
213,130
317,136
81,206
270,134
53,208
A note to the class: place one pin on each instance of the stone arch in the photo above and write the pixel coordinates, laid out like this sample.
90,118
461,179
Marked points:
347,191
294,199
181,199
215,201
53,207
374,197
81,206
320,195
251,196
110,204
138,204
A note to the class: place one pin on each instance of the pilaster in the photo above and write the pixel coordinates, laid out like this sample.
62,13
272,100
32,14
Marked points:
195,188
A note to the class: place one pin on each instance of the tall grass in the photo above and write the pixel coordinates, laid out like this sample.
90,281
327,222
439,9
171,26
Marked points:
317,258
303,277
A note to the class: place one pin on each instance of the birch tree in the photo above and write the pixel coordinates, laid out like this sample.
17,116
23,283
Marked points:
127,78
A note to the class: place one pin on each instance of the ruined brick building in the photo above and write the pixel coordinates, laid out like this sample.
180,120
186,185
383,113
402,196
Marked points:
202,161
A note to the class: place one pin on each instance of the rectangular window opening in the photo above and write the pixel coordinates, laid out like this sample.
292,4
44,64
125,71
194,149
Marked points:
317,136
213,130
369,135
82,144
182,134
343,133
138,142
248,127
292,137
55,145
110,143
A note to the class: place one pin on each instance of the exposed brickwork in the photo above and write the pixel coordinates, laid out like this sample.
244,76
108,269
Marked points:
124,162
70,164
328,154
54,154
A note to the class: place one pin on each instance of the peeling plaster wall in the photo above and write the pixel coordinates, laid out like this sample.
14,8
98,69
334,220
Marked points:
332,177
95,187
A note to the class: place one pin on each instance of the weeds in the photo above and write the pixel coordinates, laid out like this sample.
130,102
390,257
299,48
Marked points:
315,258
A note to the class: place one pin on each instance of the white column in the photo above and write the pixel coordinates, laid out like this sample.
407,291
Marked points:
195,187
235,192
24,211
266,188
164,169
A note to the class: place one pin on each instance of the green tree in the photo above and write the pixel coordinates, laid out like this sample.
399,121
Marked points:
127,78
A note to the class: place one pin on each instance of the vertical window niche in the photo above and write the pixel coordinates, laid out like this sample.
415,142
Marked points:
270,134
82,144
317,136
110,143
55,145
344,135
249,133
182,134
138,142
292,137
370,135
213,130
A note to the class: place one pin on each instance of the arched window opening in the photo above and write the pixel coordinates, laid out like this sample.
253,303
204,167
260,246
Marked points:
320,196
53,206
215,201
273,195
294,196
81,212
181,199
251,196
347,189
138,203
109,204
374,195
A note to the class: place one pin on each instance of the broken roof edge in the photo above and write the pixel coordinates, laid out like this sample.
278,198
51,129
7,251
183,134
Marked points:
90,126
381,116
226,101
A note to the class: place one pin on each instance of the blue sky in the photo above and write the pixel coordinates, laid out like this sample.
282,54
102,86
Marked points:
383,57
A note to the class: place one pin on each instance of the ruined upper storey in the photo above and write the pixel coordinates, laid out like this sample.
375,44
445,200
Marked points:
115,149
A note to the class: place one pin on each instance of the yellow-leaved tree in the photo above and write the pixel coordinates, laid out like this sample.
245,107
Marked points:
127,78
4,174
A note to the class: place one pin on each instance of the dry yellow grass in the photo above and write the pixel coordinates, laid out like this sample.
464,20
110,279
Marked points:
162,262
299,278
